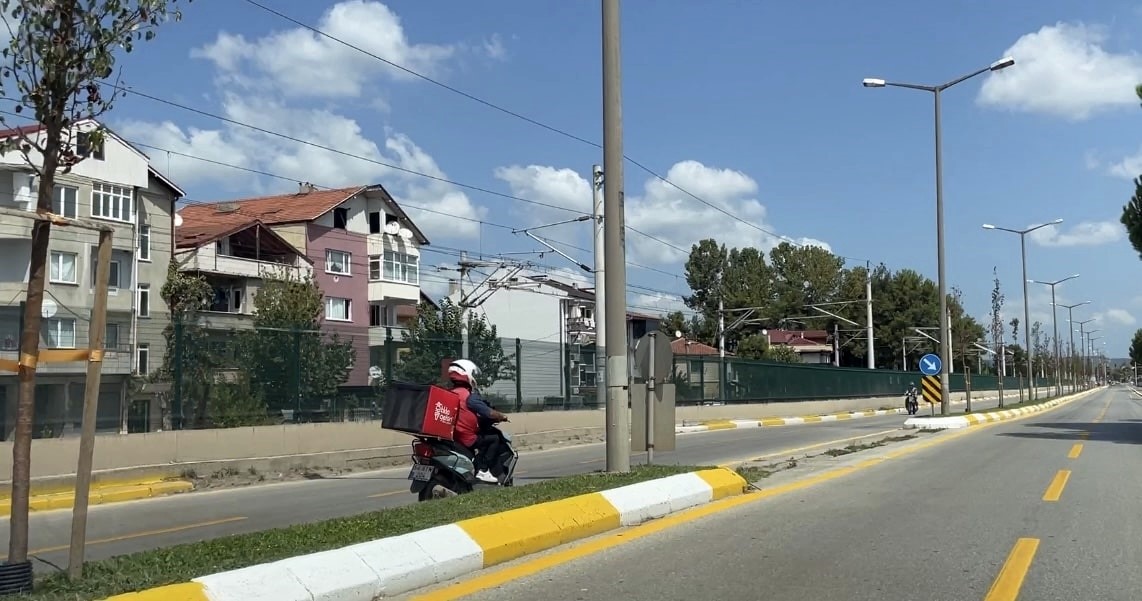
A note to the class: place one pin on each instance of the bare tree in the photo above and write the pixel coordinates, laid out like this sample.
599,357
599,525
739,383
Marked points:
997,299
55,66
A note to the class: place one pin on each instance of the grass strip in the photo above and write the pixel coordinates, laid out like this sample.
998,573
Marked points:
1006,405
181,563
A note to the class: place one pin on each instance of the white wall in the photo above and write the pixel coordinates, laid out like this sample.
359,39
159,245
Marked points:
121,164
524,314
358,222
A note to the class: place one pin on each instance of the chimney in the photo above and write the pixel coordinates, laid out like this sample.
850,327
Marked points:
305,188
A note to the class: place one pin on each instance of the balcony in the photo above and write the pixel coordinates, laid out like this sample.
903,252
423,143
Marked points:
378,334
206,260
222,320
116,361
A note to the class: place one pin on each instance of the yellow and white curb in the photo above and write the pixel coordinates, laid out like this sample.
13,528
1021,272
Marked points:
770,422
975,419
399,564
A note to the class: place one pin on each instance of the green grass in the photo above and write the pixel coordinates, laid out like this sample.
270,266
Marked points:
181,563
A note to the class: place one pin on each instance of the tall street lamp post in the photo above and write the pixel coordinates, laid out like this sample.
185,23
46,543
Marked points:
1028,352
1055,326
1070,326
945,343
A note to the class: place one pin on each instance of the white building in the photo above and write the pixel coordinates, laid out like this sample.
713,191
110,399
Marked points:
115,184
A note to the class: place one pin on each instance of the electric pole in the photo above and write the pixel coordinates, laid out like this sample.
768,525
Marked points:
600,285
614,246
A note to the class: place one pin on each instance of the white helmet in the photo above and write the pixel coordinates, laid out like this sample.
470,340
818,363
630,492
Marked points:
463,370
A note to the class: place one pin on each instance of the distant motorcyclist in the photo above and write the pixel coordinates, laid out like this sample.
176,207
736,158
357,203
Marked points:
911,397
462,375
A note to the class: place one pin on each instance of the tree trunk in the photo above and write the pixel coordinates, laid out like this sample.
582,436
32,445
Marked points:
29,355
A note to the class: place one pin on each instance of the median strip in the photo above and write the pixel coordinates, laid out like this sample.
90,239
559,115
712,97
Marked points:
537,515
101,494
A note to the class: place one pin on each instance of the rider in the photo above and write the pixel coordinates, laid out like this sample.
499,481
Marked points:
462,374
911,395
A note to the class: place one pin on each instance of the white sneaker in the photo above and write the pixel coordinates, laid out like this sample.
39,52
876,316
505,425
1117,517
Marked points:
486,476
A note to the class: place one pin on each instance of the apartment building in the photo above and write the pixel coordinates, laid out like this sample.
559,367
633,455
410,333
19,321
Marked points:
361,247
117,185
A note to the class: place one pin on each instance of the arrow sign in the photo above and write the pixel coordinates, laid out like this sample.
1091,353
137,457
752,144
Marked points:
931,364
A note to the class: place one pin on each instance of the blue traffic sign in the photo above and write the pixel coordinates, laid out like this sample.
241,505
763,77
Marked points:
930,364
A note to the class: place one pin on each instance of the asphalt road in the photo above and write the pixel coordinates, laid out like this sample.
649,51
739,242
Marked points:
937,524
124,528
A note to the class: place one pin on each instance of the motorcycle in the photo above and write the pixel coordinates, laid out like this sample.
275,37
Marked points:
442,468
911,404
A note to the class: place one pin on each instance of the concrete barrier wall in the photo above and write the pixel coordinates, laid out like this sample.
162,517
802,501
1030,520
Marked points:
339,444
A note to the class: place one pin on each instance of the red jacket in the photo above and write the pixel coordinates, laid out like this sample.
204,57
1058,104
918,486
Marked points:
467,426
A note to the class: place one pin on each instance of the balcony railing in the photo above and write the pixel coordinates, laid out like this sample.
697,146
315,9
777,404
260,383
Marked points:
237,266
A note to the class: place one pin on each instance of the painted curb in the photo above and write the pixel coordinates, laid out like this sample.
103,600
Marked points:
400,564
770,422
104,495
975,419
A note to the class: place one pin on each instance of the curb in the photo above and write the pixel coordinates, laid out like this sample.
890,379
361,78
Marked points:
400,564
975,419
770,422
101,495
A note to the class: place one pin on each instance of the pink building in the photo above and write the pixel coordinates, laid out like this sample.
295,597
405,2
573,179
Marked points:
363,248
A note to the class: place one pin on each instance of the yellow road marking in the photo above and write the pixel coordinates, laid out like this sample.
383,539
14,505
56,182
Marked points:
386,494
1076,450
497,577
1055,489
132,536
1014,571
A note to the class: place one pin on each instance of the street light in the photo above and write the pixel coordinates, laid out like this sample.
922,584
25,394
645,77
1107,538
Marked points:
1082,340
1070,326
1089,351
1055,325
945,342
1026,303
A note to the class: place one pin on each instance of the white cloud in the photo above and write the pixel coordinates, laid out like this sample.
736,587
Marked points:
1113,317
662,210
1087,233
655,302
1064,70
1127,168
300,63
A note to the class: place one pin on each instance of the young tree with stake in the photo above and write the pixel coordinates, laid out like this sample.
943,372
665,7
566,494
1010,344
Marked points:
60,53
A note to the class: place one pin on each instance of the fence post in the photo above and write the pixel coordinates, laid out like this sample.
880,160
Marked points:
518,375
388,348
701,378
296,371
722,375
566,375
176,400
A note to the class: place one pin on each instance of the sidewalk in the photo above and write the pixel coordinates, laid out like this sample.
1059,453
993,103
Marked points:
769,422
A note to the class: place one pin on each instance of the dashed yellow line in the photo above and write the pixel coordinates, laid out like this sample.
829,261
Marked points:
1076,450
1014,571
1055,488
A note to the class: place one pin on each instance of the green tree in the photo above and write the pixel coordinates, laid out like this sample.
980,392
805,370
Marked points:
803,275
57,57
436,335
188,358
756,347
997,299
1136,347
782,353
291,363
1132,217
739,278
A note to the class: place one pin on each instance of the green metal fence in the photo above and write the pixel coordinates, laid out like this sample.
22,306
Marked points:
710,379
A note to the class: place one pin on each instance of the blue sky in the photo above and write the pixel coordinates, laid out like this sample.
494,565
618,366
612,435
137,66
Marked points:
754,106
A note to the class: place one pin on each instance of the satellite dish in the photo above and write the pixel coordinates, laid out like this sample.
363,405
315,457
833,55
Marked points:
677,333
405,233
48,309
177,220
392,228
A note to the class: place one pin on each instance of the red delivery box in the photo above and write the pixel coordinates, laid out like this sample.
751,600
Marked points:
420,409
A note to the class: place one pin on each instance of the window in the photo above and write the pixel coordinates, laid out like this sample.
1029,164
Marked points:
402,267
143,359
113,281
65,201
340,218
111,202
144,300
227,300
376,315
59,332
145,243
338,309
375,268
63,268
111,337
375,222
337,261
84,148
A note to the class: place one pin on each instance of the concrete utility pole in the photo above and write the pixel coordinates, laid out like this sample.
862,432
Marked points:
618,389
868,316
600,286
464,266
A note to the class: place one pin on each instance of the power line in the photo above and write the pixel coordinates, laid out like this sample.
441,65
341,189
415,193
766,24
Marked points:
532,121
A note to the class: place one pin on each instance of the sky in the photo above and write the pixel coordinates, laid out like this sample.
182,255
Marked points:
755,108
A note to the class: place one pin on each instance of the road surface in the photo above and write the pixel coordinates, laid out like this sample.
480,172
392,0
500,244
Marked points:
124,528
1045,508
